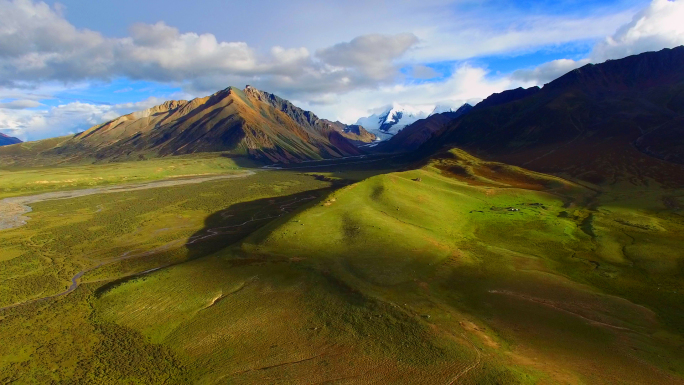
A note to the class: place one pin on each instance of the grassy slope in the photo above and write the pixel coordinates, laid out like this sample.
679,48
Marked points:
530,275
393,280
64,340
64,237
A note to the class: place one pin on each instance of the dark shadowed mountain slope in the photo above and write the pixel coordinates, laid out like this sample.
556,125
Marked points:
250,122
605,122
7,140
507,96
414,135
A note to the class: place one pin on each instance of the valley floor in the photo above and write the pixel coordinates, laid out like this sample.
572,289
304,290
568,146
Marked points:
12,210
460,271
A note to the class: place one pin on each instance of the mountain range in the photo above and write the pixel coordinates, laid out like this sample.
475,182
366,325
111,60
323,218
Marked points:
590,123
415,134
353,132
245,122
390,120
7,140
597,122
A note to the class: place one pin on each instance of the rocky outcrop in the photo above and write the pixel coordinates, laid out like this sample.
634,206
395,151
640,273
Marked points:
354,132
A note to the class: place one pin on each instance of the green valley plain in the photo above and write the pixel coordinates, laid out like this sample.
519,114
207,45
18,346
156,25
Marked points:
498,256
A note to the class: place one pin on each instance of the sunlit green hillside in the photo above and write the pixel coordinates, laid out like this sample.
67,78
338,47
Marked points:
461,271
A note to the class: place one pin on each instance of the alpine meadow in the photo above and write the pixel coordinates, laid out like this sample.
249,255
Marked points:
486,193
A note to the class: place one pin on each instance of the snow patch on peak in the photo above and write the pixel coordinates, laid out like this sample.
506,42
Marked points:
461,109
442,108
386,122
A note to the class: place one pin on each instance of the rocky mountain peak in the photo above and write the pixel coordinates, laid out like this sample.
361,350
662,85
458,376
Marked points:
167,106
254,93
392,119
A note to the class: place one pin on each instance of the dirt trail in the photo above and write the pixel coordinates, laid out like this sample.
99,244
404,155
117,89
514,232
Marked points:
552,305
478,360
13,210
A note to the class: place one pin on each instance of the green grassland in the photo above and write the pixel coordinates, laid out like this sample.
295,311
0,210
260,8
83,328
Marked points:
33,180
64,237
459,271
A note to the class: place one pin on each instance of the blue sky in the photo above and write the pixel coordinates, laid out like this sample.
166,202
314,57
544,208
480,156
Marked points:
67,65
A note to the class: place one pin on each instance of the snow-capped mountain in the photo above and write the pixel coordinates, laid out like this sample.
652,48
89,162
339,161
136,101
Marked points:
389,120
442,108
464,109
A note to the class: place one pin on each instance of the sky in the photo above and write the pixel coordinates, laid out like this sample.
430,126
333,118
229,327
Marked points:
68,65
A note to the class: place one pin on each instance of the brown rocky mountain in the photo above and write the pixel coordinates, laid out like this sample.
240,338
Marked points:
240,122
354,132
6,140
600,122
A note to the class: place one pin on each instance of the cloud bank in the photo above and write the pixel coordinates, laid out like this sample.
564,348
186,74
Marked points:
72,117
37,44
660,25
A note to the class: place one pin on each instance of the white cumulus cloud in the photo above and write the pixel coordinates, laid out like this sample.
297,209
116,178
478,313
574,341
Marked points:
467,84
547,71
64,119
37,44
20,104
660,25
420,71
372,54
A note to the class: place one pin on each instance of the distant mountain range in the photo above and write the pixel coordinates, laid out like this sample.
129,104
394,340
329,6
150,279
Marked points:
598,122
245,122
593,123
388,121
7,140
415,134
353,132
